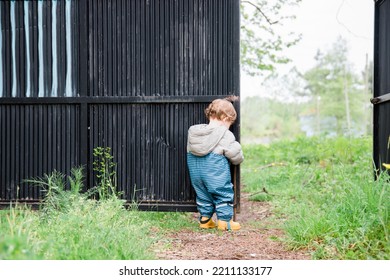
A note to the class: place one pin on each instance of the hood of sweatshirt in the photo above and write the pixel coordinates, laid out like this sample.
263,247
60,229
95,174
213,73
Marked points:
203,138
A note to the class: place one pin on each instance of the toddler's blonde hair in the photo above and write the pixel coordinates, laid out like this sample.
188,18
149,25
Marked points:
221,109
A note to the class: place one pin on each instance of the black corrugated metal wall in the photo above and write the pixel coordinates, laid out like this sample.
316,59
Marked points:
130,75
382,84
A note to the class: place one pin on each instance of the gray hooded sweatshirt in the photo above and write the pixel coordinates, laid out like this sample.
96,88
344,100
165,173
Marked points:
204,139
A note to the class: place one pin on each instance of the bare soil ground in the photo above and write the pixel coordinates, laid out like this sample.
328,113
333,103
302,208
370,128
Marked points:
256,240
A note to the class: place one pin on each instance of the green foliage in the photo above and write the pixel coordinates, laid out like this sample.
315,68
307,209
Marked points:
16,234
263,38
94,230
324,189
105,169
53,186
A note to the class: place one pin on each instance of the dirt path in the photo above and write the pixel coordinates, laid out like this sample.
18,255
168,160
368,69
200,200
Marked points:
256,240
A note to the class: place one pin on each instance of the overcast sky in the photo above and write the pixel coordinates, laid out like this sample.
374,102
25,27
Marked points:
320,22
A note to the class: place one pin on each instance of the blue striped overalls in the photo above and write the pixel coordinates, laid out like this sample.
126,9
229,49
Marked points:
211,179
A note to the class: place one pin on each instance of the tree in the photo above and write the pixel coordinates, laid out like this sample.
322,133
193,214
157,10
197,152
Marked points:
263,34
337,94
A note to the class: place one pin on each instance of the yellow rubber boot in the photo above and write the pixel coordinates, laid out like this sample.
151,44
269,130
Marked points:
206,222
223,225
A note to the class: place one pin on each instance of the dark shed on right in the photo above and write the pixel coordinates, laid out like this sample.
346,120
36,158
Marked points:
381,84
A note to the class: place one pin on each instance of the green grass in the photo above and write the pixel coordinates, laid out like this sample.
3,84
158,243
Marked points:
324,189
91,231
322,192
69,226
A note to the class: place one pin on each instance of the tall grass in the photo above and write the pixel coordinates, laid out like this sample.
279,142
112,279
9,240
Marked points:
16,234
71,226
326,193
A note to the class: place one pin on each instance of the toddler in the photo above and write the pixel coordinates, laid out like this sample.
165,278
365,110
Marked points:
210,147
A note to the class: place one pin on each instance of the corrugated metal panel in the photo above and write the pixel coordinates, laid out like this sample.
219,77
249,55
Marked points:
39,48
133,75
382,83
149,143
34,140
162,48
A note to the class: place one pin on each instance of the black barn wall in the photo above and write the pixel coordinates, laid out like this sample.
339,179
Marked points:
382,84
129,75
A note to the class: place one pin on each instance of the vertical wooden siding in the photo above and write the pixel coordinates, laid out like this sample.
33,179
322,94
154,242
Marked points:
36,140
162,48
382,83
141,73
37,50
